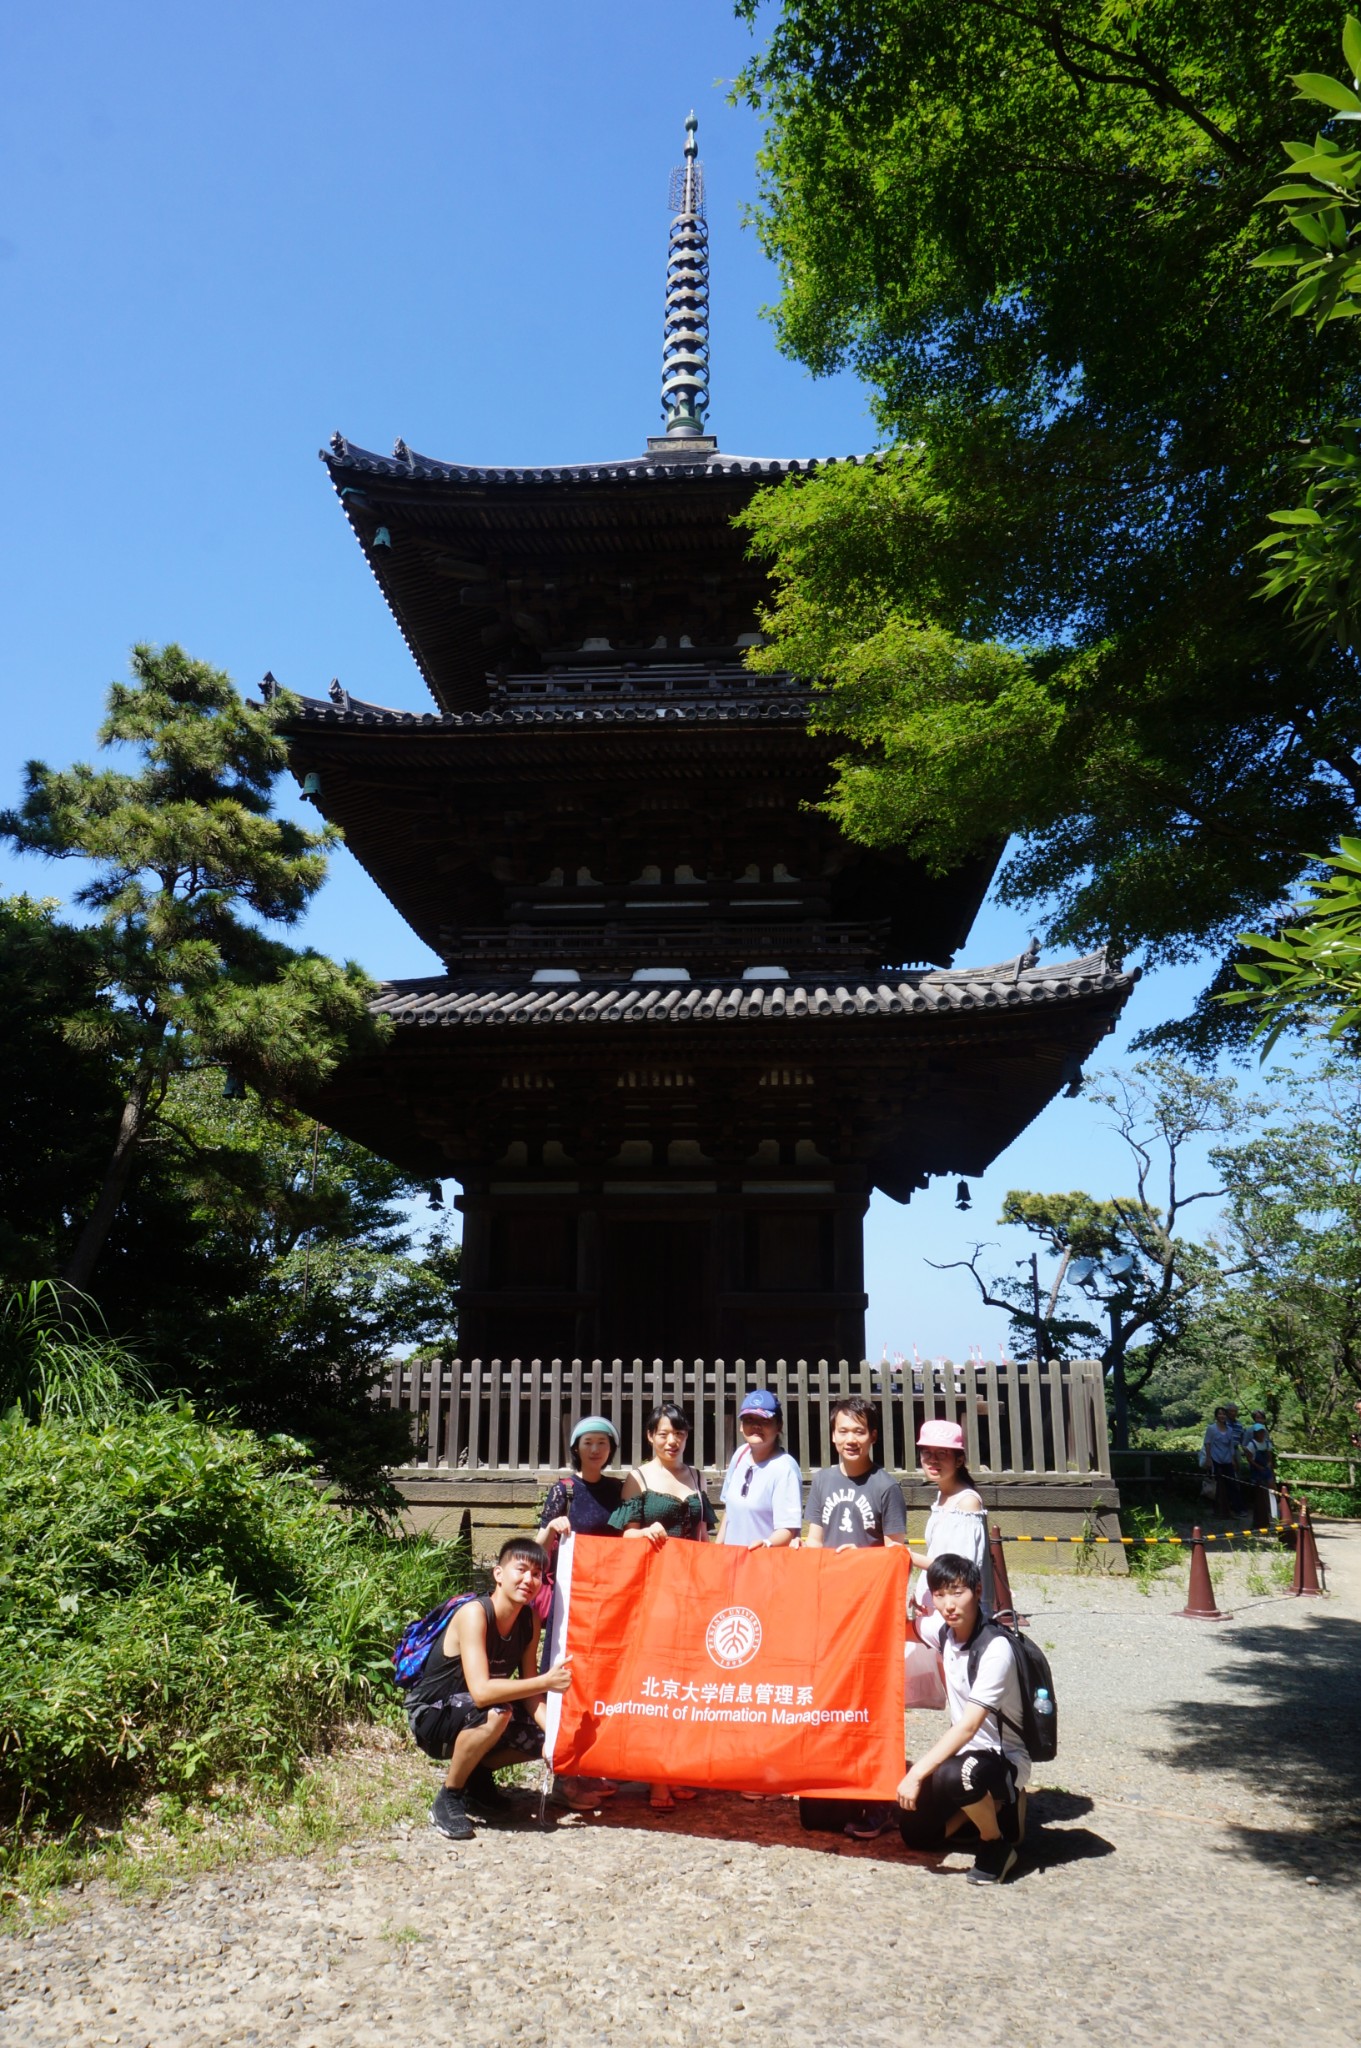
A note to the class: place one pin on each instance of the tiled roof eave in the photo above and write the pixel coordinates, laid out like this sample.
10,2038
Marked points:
949,994
371,719
405,466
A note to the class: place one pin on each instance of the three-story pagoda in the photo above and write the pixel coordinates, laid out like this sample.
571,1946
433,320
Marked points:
685,1027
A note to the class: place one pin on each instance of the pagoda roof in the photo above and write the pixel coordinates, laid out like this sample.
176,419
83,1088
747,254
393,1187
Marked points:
492,567
769,699
673,466
931,1072
421,795
1016,984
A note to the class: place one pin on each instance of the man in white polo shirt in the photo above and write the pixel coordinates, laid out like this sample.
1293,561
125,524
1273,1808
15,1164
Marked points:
762,1487
978,1770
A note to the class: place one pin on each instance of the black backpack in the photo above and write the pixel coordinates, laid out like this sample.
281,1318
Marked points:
1038,1733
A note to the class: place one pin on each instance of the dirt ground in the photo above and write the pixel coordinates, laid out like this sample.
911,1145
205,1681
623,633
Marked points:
1192,1875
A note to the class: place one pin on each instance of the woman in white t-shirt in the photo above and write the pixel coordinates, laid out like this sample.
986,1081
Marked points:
957,1524
762,1487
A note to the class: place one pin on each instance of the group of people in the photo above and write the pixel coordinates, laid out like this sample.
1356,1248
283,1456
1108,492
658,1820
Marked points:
480,1700
1238,1456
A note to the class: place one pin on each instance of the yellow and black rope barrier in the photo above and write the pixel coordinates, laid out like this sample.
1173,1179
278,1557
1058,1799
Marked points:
1150,1542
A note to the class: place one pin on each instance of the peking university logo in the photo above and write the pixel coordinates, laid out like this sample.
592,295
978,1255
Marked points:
733,1637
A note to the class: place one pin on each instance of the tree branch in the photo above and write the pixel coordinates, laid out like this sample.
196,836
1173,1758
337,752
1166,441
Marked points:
1150,78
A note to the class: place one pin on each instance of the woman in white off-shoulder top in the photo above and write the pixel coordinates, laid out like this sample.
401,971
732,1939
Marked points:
957,1525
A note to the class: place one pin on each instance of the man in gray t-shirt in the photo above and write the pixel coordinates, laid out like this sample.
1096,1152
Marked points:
854,1502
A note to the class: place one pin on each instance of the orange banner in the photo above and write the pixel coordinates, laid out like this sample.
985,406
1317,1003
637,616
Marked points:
743,1670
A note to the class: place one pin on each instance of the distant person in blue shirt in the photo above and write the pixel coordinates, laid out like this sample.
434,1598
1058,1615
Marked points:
1220,1455
762,1488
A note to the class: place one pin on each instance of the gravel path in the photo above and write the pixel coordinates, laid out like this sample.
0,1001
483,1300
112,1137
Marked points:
1200,1831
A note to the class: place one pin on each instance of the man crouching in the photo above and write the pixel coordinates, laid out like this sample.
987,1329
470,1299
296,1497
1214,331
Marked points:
978,1770
471,1701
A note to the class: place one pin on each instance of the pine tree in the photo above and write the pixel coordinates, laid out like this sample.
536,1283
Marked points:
190,871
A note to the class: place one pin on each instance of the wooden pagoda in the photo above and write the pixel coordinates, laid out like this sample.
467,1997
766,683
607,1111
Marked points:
685,1027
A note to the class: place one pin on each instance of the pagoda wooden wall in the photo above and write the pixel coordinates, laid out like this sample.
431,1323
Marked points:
587,1273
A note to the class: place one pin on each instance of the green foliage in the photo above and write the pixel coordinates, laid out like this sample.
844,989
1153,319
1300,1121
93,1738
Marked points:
180,1608
53,1365
260,1262
1315,561
1211,1358
1318,198
189,865
1293,1234
300,1277
1033,232
1152,1551
1310,972
1123,1273
1325,1486
59,1100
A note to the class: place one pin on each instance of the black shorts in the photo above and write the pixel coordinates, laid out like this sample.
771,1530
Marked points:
960,1781
437,1724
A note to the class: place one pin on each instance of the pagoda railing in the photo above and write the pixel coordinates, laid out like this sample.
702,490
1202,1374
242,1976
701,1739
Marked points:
835,946
494,1417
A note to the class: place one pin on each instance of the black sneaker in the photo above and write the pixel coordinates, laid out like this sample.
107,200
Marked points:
450,1816
483,1793
993,1864
872,1821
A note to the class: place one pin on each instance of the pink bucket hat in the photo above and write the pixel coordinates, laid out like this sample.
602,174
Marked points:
940,1436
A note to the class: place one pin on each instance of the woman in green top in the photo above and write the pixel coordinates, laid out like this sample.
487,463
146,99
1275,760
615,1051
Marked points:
664,1498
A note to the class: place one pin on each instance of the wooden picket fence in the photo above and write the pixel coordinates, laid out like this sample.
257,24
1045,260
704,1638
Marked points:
514,1416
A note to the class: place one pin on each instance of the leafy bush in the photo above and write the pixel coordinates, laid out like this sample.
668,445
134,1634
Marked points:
1323,1485
178,1609
1152,1551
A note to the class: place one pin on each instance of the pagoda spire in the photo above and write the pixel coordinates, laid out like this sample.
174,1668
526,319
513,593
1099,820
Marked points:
685,343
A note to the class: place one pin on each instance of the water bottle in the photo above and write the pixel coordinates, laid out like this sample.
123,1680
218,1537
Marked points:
1044,1706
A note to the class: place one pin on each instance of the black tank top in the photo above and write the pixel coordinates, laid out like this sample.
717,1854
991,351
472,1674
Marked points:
443,1676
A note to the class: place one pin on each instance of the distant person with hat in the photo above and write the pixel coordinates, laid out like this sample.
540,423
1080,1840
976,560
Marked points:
1258,1452
957,1525
762,1487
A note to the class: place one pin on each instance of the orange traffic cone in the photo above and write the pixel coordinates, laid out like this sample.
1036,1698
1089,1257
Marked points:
1306,1558
1001,1584
1200,1596
1287,1521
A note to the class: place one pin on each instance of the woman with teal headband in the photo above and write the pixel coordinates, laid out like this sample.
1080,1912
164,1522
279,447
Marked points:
582,1505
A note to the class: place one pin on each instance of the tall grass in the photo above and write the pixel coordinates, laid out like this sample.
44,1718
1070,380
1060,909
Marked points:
53,1362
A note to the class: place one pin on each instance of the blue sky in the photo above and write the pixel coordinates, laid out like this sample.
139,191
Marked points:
225,232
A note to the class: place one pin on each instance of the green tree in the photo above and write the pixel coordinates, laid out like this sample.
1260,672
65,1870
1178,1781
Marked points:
1292,1231
189,869
58,1099
1123,1277
1032,230
300,1279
